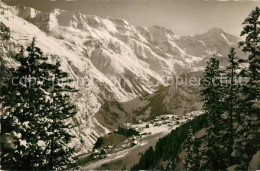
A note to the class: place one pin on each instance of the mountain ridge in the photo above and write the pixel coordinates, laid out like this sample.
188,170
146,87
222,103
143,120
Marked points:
100,50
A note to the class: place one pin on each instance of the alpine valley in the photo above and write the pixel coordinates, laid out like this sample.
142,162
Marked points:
123,73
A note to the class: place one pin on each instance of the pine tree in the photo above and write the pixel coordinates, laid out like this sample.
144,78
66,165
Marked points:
4,72
124,168
37,113
248,142
212,94
5,32
23,102
231,103
192,159
60,111
172,162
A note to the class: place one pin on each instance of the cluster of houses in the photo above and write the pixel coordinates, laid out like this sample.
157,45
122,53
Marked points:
169,120
102,153
135,131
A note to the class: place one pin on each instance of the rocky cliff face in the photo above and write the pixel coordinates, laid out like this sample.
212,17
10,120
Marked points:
115,63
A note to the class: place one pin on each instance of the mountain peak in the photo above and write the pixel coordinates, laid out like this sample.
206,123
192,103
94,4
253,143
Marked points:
119,21
55,11
216,30
161,29
26,12
217,34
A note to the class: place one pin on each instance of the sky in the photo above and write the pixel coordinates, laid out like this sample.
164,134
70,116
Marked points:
185,17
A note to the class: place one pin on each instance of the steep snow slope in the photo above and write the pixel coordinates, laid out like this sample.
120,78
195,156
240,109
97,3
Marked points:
120,62
182,96
22,33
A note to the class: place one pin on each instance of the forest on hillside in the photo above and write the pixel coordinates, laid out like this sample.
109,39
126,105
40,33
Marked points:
231,99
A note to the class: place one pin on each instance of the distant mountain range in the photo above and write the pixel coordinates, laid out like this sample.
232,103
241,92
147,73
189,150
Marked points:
126,64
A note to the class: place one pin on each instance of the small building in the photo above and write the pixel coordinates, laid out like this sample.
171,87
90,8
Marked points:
95,151
102,156
156,120
127,125
157,124
164,117
134,143
170,124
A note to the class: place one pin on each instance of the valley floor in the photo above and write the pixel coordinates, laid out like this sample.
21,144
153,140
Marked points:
124,154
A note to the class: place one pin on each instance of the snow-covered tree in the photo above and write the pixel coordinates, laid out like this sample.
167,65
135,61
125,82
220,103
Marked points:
248,142
212,94
192,158
4,72
36,112
5,32
23,101
60,154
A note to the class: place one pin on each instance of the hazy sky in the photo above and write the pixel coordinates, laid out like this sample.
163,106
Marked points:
183,17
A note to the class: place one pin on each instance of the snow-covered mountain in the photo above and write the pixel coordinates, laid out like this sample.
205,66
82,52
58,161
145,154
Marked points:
115,63
178,98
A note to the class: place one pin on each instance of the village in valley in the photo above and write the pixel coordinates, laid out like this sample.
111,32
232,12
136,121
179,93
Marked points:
129,136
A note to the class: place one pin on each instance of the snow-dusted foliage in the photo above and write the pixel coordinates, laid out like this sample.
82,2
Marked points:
232,134
192,158
36,116
248,132
213,105
23,101
59,112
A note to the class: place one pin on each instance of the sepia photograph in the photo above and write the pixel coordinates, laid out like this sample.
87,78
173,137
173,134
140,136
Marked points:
130,85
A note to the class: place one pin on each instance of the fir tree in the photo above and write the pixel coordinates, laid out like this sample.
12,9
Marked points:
23,102
4,72
231,103
248,142
4,75
192,159
172,162
60,111
37,113
5,32
124,168
212,94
